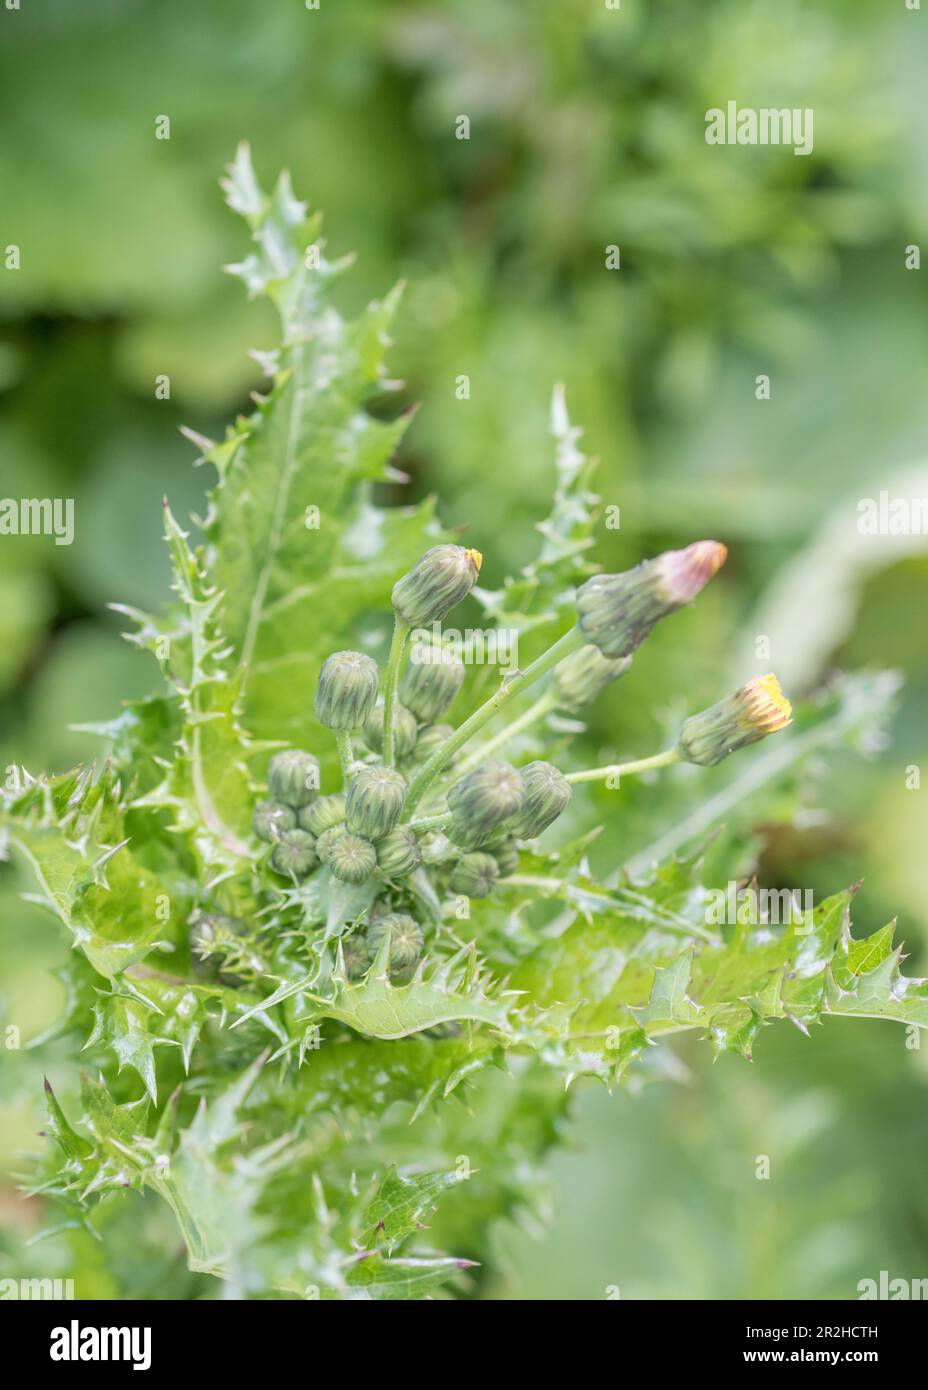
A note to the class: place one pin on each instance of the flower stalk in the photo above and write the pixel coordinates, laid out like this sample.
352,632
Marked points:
397,647
510,687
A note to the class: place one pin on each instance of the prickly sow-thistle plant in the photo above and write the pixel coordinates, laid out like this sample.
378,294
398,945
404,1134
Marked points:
308,910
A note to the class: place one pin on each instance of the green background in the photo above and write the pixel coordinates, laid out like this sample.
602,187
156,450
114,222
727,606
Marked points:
586,131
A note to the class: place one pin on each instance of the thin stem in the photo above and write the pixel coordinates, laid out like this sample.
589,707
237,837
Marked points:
619,770
510,687
345,752
397,647
431,822
542,706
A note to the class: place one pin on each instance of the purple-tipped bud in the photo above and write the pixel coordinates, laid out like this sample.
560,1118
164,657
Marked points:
616,612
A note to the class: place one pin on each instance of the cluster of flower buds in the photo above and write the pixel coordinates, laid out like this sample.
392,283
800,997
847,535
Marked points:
470,836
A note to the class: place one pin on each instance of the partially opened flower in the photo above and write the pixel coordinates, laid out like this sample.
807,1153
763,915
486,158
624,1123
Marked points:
759,708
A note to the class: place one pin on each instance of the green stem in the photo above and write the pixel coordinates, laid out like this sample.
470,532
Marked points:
542,706
345,751
431,822
619,770
397,647
509,688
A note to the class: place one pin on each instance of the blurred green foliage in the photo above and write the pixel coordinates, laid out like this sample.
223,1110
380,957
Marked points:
586,131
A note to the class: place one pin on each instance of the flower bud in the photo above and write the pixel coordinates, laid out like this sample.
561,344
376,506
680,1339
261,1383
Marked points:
406,940
444,575
545,794
430,739
326,840
209,932
347,689
506,854
584,675
430,681
756,710
404,730
213,934
474,875
294,853
293,777
354,955
352,859
617,611
323,814
482,801
398,853
374,801
270,818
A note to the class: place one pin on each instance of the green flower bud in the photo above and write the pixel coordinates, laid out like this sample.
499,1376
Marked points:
584,675
482,801
398,853
546,793
212,934
354,955
405,729
209,931
431,737
374,801
617,611
445,575
347,689
323,814
326,840
475,875
352,859
294,853
756,710
270,818
430,681
436,848
506,854
293,777
406,940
